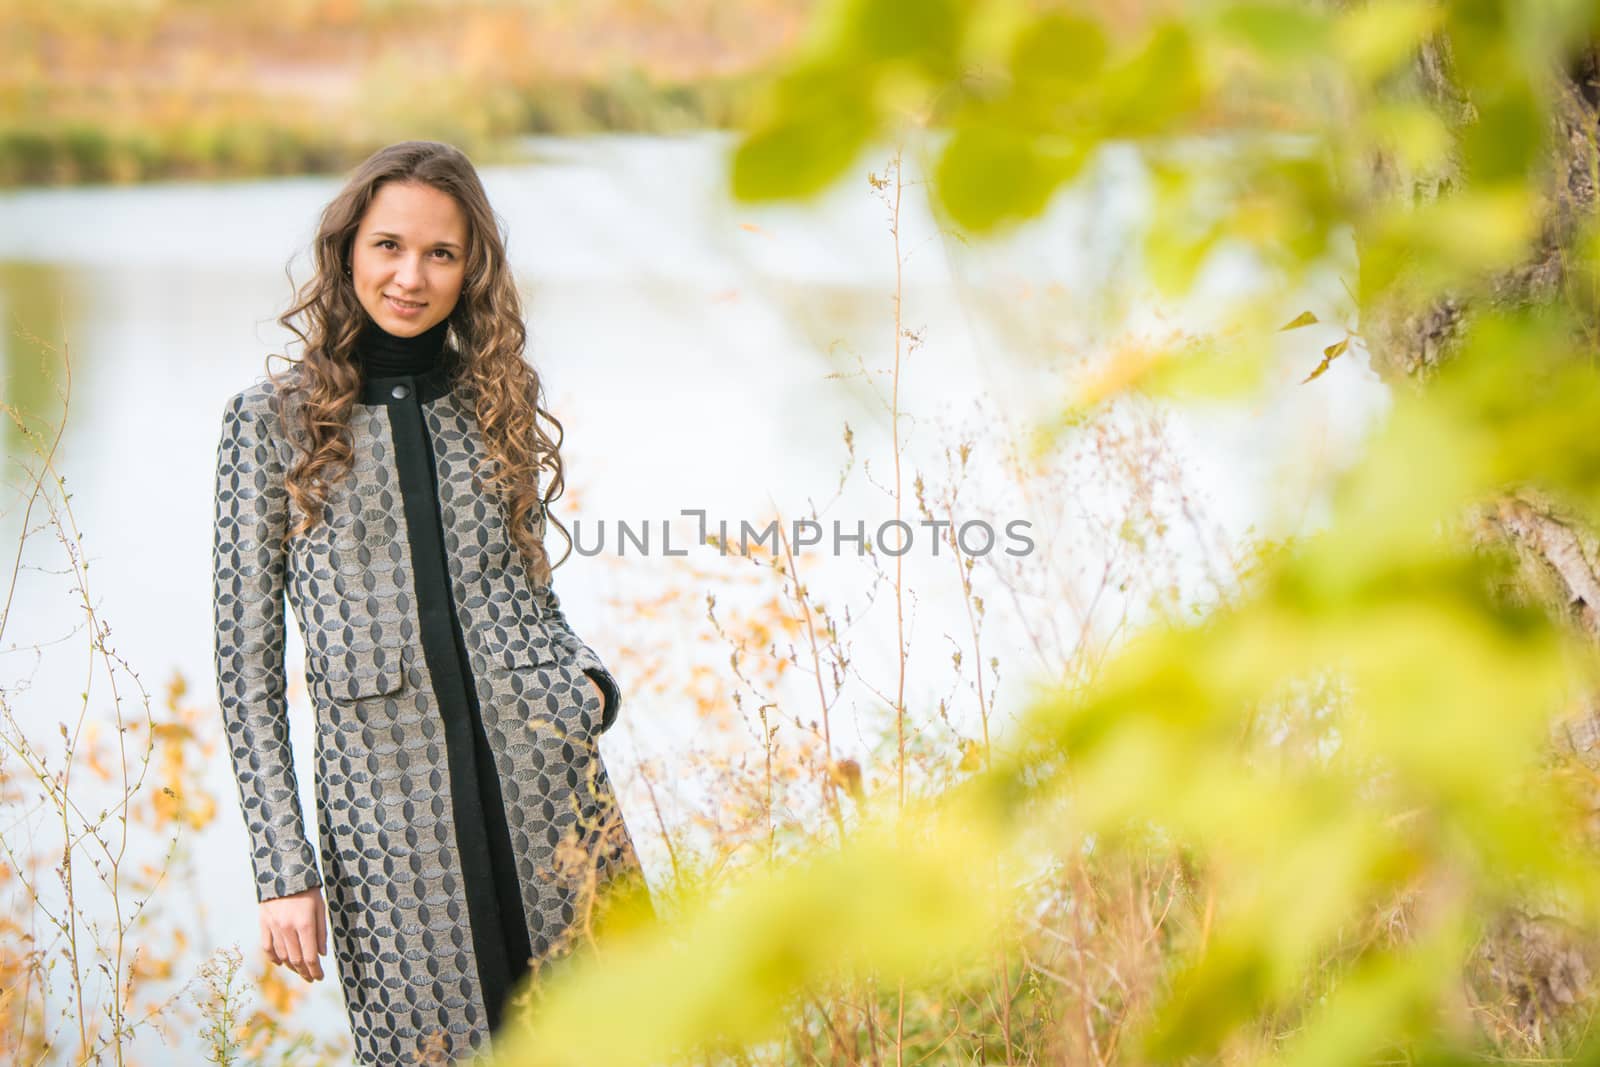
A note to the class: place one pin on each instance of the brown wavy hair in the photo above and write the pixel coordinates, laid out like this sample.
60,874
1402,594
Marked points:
484,342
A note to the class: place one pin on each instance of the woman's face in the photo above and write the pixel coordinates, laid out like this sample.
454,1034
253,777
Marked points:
409,257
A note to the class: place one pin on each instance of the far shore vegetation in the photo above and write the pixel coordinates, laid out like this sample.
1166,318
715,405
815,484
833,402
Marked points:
94,92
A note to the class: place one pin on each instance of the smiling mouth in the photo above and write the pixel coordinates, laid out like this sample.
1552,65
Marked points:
406,303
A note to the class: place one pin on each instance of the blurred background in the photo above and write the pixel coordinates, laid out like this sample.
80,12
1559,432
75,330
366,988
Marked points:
846,356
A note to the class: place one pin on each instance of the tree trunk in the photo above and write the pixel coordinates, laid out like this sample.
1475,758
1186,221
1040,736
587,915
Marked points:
1537,959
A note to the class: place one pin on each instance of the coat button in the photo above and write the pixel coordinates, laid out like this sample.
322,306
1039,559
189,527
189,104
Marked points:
400,392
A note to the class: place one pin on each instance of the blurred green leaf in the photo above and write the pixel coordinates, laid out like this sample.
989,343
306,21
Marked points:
1224,368
1372,39
819,122
1412,132
1282,32
987,176
1506,141
1156,87
1447,242
925,32
1385,997
1059,50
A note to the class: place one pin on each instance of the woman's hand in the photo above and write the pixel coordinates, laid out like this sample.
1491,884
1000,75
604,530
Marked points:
601,693
294,931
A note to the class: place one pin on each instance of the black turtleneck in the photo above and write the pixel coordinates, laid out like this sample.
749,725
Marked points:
382,354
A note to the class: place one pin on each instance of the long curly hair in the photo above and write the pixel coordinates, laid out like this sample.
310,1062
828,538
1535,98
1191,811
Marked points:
484,342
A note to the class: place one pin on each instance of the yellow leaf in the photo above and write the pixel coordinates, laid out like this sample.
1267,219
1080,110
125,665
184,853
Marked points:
1329,354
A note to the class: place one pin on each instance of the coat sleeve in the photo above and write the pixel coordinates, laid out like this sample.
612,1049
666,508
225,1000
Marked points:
578,654
248,563
574,651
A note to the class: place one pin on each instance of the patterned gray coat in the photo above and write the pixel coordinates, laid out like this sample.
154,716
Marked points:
464,814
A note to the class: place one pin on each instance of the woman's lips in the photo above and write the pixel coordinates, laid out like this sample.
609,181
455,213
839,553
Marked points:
400,308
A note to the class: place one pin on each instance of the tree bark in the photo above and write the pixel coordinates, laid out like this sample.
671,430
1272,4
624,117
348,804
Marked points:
1534,958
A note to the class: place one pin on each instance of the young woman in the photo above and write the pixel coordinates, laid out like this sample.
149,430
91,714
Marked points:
388,483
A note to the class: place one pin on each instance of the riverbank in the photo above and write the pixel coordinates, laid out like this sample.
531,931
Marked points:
187,89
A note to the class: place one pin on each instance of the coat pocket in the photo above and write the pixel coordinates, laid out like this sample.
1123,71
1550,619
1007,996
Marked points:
534,674
354,673
518,647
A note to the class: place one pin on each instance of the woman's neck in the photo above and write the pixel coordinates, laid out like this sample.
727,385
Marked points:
382,354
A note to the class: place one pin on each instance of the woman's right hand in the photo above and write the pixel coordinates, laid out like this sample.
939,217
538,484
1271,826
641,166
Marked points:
294,931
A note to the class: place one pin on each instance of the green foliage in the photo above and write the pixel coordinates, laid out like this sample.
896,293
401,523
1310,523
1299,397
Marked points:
1281,33
989,174
1354,753
824,117
1429,787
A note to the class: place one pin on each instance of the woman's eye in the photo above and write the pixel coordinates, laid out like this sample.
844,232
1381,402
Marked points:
386,242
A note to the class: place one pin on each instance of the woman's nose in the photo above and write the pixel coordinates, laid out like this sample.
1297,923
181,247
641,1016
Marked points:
408,273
